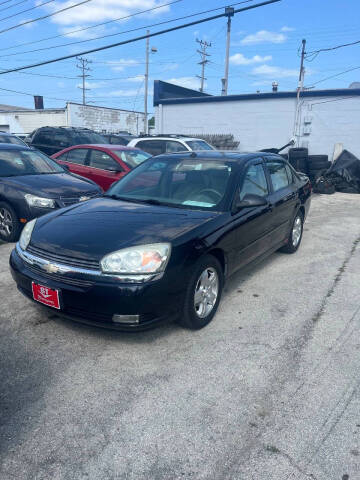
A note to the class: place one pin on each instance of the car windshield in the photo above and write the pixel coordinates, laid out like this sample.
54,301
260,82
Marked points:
178,182
132,158
82,137
26,162
11,139
198,145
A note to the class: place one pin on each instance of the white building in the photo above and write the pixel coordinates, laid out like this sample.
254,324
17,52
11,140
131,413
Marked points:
101,119
263,120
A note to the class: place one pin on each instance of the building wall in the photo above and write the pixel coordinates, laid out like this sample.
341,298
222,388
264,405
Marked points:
27,121
267,123
105,119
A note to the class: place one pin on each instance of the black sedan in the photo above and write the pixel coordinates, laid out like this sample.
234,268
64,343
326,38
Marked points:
161,243
32,184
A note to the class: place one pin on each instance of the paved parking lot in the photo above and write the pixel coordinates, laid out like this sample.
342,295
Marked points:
269,390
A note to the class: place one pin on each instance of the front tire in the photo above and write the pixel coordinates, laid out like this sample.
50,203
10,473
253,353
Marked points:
294,240
10,226
203,294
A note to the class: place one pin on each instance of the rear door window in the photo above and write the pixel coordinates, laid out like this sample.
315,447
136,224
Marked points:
173,147
44,137
278,174
78,156
154,147
100,159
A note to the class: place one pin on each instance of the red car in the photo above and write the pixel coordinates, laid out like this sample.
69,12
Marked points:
104,164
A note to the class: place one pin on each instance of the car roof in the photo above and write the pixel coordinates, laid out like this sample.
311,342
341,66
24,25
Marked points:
227,155
104,145
176,139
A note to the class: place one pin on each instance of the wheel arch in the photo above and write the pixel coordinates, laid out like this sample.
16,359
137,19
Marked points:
219,254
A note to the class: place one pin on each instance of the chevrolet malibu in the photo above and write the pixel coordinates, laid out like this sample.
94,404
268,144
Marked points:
161,243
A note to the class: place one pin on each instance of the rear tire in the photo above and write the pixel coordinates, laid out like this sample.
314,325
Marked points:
10,227
295,235
203,294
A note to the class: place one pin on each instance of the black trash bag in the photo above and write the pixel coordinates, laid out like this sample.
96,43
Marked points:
346,166
325,186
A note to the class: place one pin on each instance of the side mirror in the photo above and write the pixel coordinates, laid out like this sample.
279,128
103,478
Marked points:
251,200
115,170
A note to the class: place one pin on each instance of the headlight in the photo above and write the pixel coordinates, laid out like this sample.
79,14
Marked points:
34,201
144,259
26,234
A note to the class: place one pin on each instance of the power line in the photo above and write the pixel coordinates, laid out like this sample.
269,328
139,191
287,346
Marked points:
113,34
24,11
44,16
7,1
136,39
316,52
333,76
92,26
12,6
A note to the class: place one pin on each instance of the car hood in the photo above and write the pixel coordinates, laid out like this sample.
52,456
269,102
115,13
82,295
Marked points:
103,225
53,185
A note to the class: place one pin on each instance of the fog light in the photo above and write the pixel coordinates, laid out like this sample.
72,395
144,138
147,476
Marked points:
129,319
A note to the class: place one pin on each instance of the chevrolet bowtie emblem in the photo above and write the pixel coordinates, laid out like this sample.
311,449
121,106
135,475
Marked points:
50,268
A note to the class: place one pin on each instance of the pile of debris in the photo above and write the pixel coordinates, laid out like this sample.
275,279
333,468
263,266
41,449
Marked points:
219,141
342,175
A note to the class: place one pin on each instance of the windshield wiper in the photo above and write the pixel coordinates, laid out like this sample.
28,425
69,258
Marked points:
148,201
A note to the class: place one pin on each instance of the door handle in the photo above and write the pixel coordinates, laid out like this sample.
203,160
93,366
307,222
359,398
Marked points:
289,197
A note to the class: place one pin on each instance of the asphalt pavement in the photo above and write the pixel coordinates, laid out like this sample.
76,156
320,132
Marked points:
268,391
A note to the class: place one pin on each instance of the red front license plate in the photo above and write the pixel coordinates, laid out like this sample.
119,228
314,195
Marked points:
46,295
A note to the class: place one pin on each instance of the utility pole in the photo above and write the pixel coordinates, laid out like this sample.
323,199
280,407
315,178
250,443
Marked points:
146,126
146,78
300,88
230,12
203,46
83,66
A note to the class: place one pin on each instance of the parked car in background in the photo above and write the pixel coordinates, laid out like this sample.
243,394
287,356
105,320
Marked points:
32,184
6,137
104,164
157,145
117,139
53,139
161,242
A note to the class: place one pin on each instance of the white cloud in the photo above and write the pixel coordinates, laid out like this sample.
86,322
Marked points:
121,64
275,72
187,82
287,29
240,59
263,36
92,85
100,10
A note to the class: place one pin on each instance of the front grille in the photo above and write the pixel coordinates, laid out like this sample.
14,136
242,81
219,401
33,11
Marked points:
63,259
67,201
60,278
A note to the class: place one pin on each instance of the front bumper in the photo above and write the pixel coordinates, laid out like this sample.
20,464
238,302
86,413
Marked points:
95,299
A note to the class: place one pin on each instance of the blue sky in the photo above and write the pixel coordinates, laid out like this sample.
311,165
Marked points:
264,48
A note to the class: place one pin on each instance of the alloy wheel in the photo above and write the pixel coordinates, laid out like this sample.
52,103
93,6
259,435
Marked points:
6,222
206,292
296,231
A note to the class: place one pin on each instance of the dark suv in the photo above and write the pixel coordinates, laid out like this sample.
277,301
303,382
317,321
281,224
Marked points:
51,140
